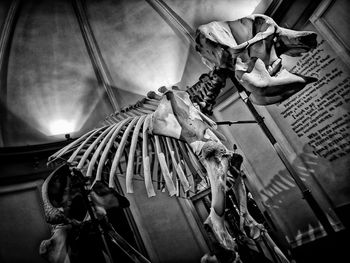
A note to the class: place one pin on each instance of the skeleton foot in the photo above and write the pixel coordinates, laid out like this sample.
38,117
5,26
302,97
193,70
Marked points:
217,225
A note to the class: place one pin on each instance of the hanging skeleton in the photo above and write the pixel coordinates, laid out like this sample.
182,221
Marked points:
174,134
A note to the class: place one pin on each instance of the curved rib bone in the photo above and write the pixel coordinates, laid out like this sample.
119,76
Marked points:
97,152
178,167
146,159
90,148
164,168
119,152
107,149
130,165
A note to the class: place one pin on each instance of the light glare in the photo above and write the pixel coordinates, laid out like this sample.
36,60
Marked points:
61,127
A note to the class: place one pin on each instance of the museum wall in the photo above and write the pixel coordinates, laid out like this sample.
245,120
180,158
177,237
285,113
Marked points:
23,225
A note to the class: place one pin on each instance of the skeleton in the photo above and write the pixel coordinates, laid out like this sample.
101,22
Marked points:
250,48
176,136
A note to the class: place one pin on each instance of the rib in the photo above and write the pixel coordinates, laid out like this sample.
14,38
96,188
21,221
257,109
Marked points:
92,146
130,165
81,146
119,152
146,159
107,148
163,166
177,165
99,149
69,146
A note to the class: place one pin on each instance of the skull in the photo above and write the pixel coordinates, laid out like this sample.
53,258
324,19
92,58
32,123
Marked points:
251,48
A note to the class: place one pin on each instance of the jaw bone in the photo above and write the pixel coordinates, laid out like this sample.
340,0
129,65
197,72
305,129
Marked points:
255,57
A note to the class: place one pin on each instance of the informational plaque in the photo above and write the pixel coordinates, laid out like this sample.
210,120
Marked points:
316,120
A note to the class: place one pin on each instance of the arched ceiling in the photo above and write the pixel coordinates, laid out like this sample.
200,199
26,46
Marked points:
47,77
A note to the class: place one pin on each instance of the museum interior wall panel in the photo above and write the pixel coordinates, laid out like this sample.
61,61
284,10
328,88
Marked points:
23,224
50,77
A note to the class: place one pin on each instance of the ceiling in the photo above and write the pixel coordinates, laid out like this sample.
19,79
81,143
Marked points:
48,86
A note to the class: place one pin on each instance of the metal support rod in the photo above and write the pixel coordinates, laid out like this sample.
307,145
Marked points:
229,123
306,192
102,74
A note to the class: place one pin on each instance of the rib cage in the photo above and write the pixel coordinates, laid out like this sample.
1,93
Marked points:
123,143
123,138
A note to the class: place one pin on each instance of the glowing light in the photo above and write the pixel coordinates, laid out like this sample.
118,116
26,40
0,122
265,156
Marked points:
57,127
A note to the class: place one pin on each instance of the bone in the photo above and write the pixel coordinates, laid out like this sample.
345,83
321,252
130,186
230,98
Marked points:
250,48
163,89
151,102
164,168
215,160
199,166
107,149
52,214
141,111
146,159
153,95
155,162
91,147
97,152
129,113
85,142
119,152
61,152
149,107
108,121
130,165
178,167
260,83
55,249
179,147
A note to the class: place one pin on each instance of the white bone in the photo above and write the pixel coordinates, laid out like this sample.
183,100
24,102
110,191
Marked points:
81,146
178,167
97,152
130,165
119,152
71,145
107,148
91,147
164,168
146,159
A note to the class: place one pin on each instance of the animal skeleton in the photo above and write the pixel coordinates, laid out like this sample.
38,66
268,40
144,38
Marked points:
173,129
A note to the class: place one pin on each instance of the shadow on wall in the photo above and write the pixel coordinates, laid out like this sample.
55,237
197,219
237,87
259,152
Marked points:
286,204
